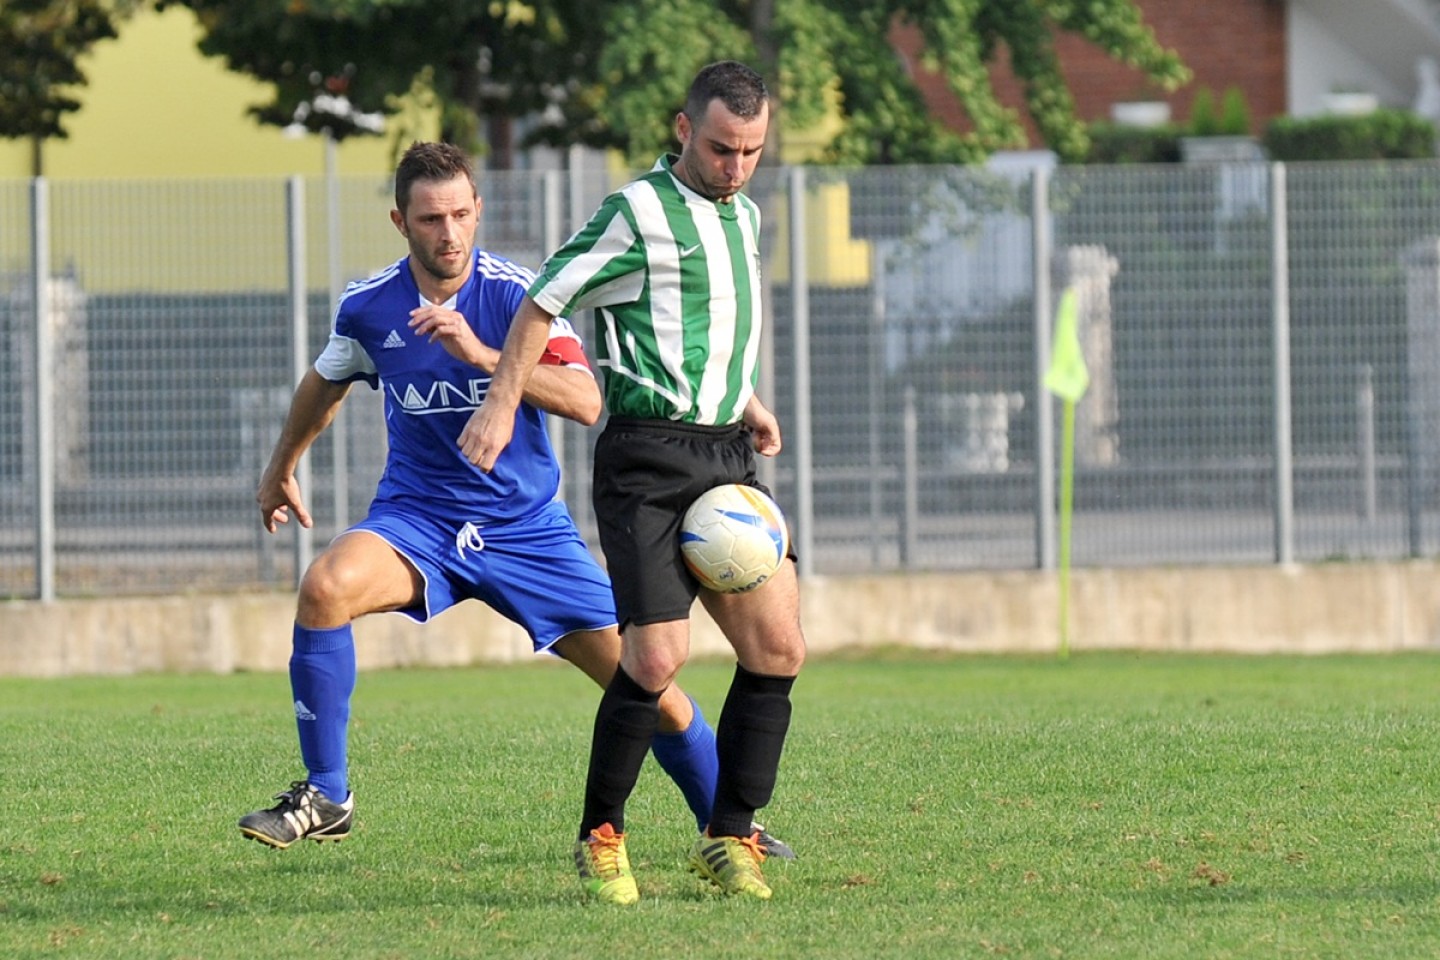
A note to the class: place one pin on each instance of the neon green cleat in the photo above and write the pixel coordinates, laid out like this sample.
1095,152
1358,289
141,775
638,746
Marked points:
731,863
605,866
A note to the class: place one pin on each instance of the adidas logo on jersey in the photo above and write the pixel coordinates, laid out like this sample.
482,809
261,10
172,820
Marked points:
393,341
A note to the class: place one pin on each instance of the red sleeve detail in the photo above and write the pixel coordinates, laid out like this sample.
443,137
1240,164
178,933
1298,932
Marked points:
564,352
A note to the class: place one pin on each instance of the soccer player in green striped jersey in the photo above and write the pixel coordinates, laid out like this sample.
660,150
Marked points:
670,264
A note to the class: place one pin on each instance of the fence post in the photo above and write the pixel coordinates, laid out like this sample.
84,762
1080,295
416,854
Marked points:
804,525
550,240
1422,348
1044,404
299,342
1280,317
340,429
910,517
44,387
1365,440
874,406
570,216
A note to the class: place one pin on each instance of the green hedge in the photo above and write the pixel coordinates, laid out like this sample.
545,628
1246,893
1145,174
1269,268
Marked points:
1382,135
1120,143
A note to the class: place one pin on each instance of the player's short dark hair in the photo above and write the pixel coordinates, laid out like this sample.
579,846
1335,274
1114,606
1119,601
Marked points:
430,161
741,89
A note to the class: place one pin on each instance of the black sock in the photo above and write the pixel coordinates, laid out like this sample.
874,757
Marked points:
748,740
625,723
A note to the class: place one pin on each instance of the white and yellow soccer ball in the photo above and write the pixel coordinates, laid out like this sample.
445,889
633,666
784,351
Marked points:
733,538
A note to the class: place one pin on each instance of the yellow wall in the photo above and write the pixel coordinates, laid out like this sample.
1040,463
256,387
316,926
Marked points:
156,107
210,235
832,256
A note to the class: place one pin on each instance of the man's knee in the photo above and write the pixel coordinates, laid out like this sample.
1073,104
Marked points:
652,665
784,652
769,648
327,593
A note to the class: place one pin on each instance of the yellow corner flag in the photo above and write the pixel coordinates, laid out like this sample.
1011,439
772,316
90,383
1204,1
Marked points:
1067,377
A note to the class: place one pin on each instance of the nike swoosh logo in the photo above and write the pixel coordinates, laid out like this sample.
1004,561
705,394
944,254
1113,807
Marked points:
686,251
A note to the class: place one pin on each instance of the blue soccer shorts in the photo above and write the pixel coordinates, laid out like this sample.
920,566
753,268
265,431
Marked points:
535,571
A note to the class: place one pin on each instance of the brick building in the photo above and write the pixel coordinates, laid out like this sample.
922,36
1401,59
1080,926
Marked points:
1286,56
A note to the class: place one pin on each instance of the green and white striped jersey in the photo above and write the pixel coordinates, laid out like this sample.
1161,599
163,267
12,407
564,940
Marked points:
675,280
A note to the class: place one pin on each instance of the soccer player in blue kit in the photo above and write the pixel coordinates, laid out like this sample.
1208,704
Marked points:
427,331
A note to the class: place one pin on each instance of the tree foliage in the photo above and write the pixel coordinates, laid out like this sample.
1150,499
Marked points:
478,61
40,44
839,52
613,72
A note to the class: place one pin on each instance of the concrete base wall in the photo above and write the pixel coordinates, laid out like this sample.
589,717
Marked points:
1371,607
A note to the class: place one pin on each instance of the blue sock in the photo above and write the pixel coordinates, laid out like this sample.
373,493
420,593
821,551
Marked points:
322,678
689,758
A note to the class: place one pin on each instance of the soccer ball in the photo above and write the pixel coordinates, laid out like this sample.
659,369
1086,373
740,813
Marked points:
733,538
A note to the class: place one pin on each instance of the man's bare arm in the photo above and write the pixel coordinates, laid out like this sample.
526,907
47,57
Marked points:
563,391
490,428
313,407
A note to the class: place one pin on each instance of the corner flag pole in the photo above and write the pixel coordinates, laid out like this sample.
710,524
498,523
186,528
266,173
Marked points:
1068,379
1067,499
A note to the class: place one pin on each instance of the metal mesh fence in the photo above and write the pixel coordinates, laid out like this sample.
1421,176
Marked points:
1173,441
1263,380
1362,281
17,394
921,369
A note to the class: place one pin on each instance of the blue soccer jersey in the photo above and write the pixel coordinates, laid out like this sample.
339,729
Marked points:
429,395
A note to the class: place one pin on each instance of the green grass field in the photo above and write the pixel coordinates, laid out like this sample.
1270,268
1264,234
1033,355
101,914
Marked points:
1113,805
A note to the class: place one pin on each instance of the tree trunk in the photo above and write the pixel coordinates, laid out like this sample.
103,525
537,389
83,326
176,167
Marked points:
500,133
762,31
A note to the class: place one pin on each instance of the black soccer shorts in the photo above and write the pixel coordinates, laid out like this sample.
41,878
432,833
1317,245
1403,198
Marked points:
647,473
